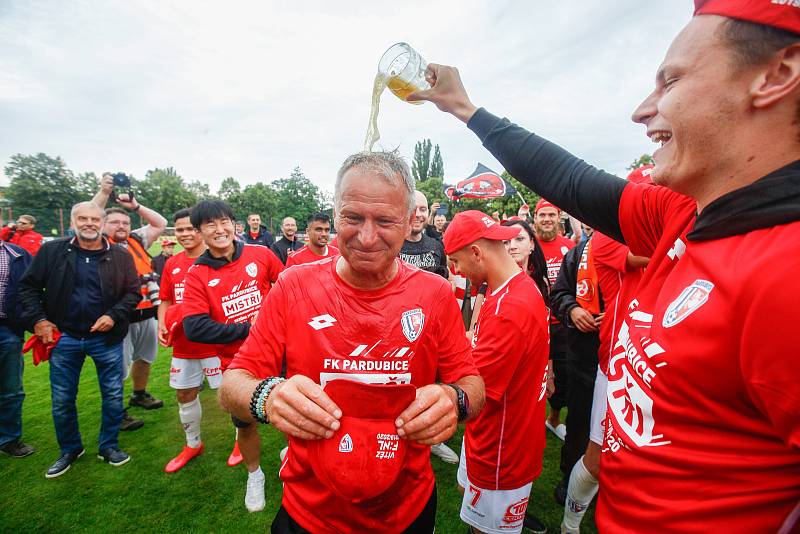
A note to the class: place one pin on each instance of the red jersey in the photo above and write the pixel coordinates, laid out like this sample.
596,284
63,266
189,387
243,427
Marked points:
171,289
306,255
611,261
554,252
407,332
231,293
29,240
703,426
505,443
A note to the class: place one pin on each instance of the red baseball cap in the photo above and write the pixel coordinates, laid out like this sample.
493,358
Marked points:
363,459
41,352
784,14
469,226
545,204
641,175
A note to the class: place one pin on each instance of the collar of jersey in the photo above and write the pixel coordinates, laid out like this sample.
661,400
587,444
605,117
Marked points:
216,263
773,200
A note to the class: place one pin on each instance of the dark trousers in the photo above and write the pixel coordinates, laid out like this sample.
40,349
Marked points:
423,524
579,415
558,353
11,392
66,362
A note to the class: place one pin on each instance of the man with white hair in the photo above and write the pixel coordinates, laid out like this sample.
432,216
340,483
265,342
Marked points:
78,295
361,325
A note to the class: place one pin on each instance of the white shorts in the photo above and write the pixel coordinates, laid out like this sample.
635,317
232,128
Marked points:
141,343
599,405
186,373
491,511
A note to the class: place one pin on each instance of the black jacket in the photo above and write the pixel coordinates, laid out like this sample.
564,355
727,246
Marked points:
45,288
581,347
263,238
18,262
283,246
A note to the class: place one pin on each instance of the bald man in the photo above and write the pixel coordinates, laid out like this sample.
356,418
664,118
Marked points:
288,243
419,249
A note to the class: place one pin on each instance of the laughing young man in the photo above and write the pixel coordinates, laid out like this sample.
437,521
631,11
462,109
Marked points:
223,293
703,428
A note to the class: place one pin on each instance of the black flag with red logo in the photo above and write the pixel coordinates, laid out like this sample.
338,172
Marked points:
482,183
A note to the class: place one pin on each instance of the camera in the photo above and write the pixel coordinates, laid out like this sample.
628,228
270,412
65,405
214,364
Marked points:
150,283
121,180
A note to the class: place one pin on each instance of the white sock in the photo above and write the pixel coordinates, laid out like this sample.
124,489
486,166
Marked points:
191,413
580,492
257,474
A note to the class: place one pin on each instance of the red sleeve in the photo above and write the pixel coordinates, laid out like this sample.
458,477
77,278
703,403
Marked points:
262,352
4,233
769,350
609,252
498,352
195,300
450,339
290,260
165,289
644,211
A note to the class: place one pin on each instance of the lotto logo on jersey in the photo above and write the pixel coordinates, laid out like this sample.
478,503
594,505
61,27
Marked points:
251,269
176,270
516,511
687,302
412,322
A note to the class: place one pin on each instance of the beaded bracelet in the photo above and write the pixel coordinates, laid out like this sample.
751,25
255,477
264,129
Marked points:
258,401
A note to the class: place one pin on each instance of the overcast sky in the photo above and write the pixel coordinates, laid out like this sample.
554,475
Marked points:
253,89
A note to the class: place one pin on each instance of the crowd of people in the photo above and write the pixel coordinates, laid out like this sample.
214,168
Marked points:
663,322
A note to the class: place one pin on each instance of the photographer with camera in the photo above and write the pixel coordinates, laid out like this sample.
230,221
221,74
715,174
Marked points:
141,344
22,234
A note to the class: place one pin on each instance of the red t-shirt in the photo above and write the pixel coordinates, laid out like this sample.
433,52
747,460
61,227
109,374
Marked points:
611,262
29,240
505,443
171,289
306,255
554,252
703,430
407,332
232,293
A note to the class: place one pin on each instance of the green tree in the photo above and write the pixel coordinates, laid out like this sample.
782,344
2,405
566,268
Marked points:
164,191
437,165
256,198
41,186
297,196
423,166
229,188
199,190
644,159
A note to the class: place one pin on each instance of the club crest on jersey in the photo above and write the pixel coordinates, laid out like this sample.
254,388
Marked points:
346,444
690,299
251,269
412,322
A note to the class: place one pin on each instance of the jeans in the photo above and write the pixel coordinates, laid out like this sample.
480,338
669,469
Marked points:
11,392
66,362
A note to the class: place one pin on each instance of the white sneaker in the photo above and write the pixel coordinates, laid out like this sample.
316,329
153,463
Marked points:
560,431
444,453
254,499
283,453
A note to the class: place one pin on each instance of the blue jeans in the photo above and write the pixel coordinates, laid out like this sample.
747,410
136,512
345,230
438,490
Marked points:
66,362
11,392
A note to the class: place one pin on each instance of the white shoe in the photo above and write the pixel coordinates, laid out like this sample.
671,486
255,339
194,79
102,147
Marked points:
283,453
254,499
444,453
560,431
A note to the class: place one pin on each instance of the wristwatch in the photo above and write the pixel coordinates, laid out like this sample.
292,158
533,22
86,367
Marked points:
462,403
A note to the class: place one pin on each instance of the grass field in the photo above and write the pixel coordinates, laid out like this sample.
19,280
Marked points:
206,496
